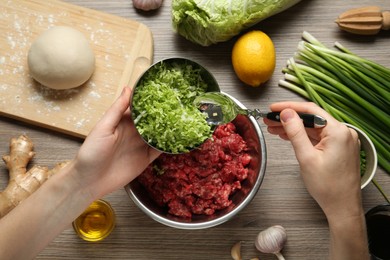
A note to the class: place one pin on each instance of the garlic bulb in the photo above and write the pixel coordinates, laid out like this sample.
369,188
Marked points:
147,5
272,241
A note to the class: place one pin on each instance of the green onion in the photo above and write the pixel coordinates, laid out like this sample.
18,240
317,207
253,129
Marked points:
350,88
362,162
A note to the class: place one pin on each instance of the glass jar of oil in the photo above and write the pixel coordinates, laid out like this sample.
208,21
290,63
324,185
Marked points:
96,222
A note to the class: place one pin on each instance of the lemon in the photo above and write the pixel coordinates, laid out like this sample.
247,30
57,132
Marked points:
253,58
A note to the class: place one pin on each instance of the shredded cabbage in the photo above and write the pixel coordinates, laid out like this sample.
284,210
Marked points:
163,109
211,21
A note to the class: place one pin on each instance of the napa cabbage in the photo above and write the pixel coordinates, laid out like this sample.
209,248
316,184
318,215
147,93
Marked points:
207,22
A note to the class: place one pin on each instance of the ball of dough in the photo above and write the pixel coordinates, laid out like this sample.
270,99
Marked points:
61,58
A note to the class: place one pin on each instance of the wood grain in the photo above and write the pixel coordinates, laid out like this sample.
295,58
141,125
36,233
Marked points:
118,43
282,198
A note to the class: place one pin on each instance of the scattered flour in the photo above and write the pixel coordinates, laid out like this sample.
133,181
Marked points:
79,124
92,84
18,70
94,94
11,42
35,98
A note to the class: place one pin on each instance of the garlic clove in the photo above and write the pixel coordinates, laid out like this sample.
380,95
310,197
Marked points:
271,240
147,5
236,251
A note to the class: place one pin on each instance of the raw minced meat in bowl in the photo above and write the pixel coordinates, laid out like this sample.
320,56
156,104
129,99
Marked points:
206,186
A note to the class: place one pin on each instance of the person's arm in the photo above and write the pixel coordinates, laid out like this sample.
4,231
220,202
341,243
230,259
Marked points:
330,168
34,223
112,155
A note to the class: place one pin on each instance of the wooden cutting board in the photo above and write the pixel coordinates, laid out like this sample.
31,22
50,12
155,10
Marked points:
123,49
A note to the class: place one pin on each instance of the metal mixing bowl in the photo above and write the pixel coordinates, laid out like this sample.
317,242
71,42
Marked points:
249,128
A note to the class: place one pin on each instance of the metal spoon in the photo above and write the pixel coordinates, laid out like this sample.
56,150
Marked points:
220,109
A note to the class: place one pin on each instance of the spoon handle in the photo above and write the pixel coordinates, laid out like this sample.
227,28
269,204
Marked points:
309,120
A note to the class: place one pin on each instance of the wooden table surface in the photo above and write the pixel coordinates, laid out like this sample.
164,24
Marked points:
282,198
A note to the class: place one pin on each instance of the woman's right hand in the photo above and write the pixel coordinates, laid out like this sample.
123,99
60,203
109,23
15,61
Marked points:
328,157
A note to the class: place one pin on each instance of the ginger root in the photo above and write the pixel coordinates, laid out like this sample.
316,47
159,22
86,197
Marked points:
22,183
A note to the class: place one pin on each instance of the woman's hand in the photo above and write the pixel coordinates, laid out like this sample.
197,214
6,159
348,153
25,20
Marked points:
114,153
330,168
328,157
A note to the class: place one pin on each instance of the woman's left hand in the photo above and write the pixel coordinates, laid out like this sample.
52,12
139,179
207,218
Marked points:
114,153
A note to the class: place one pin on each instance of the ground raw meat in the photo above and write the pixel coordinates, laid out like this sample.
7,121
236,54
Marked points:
199,182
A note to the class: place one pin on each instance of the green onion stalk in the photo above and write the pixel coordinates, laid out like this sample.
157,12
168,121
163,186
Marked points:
352,89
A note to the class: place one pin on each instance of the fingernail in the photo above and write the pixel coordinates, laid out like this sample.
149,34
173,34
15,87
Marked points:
286,115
